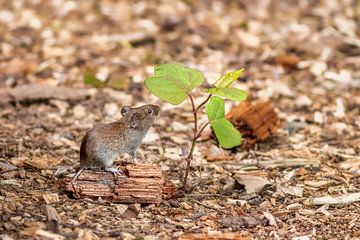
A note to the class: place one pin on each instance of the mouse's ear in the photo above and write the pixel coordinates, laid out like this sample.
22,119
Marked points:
125,110
134,120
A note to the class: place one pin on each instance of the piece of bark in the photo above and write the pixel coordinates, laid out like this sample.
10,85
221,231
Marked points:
339,200
34,92
256,122
138,183
217,236
169,190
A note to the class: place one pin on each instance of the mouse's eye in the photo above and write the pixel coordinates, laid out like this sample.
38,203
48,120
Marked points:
150,111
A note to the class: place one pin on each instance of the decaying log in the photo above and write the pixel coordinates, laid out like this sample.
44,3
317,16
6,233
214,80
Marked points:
256,122
138,183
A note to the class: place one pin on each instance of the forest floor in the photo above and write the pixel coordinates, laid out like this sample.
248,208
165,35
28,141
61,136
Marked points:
303,56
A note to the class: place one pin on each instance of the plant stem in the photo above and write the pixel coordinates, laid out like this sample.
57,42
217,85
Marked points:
190,155
195,136
202,129
203,103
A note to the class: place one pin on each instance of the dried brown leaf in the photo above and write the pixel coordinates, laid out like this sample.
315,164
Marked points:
252,184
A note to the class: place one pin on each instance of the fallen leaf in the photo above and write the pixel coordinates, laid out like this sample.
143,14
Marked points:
271,219
215,153
252,184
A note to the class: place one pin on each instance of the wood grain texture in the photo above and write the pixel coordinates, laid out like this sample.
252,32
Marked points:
138,183
256,122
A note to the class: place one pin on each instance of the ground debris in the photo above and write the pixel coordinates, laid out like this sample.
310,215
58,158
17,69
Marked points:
339,200
42,92
256,122
214,236
141,183
300,56
53,219
252,184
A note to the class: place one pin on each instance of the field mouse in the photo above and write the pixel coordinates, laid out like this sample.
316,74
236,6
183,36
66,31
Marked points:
106,142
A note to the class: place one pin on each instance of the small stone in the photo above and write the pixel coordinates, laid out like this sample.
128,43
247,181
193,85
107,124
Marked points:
318,68
111,109
248,39
343,76
303,101
179,127
340,109
319,117
79,111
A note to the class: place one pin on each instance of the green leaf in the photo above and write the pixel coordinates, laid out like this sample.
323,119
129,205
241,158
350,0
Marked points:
215,109
173,82
227,79
227,135
225,132
229,93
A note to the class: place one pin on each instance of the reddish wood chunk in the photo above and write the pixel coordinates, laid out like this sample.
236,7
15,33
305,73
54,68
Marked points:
138,183
289,60
256,122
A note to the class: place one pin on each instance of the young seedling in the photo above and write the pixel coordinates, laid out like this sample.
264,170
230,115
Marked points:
174,83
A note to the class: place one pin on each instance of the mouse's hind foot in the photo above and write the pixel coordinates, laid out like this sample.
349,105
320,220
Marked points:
113,170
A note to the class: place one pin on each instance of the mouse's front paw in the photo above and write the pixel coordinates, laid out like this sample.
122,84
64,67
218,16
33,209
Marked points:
113,170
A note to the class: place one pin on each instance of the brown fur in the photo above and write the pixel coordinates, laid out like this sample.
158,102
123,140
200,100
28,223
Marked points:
106,142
